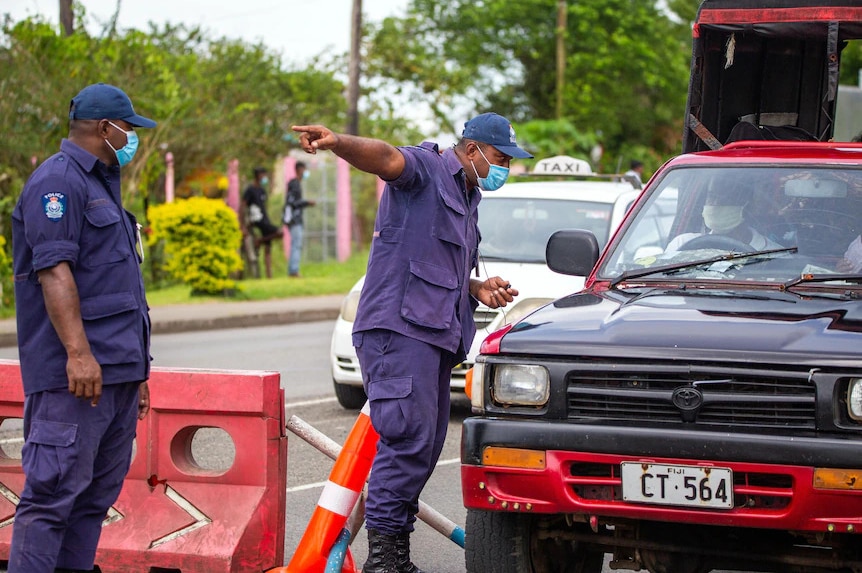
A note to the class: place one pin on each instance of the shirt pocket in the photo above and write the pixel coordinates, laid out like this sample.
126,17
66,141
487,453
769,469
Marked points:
114,328
450,220
105,234
51,455
430,297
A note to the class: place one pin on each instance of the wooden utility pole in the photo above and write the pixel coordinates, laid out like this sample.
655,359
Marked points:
67,17
353,69
562,13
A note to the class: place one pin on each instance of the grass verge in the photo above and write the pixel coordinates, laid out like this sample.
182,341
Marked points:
329,277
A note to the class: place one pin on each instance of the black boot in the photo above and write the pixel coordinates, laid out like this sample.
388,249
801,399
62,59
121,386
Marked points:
381,553
402,555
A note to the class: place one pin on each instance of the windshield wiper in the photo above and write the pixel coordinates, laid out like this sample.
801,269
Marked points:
638,273
815,278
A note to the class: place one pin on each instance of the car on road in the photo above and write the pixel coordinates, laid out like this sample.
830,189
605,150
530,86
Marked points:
515,223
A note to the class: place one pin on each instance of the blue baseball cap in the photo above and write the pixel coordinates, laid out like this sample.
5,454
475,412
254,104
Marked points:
103,101
495,130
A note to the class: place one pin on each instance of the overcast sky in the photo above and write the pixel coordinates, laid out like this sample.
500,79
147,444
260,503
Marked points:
298,29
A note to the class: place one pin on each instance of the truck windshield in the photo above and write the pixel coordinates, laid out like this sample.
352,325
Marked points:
701,213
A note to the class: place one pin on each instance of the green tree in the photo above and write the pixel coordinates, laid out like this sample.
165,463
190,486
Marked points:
626,70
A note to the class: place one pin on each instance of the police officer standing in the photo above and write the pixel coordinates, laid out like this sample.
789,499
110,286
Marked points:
415,317
83,335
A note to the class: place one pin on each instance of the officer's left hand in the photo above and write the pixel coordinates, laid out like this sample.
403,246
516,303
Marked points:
495,292
143,400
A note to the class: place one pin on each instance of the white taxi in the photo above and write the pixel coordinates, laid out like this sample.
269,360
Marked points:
515,222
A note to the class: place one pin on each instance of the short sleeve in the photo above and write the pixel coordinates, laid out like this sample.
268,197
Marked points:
52,211
411,175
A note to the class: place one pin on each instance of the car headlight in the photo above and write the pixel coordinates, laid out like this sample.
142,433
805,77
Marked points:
522,308
521,385
854,399
349,305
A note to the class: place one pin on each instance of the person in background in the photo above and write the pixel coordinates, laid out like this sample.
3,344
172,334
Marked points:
294,206
256,214
83,335
634,174
415,317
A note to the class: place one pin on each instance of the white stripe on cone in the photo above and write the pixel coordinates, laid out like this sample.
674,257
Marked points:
338,499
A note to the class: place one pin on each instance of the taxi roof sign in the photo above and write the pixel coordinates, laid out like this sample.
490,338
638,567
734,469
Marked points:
563,165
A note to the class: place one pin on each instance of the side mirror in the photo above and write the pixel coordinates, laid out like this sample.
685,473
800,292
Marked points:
572,252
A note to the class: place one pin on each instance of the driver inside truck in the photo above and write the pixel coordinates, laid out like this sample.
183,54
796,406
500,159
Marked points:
724,215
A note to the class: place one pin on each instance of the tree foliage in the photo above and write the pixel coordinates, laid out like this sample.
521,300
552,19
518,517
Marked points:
214,99
626,63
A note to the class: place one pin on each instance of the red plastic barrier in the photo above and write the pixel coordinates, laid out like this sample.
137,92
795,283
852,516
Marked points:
173,514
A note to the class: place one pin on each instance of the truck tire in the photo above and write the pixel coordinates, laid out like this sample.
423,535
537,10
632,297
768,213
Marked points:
350,397
498,542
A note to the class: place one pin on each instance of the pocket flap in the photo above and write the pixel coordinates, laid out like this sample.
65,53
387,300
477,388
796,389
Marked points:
104,305
49,433
102,216
453,203
433,274
390,388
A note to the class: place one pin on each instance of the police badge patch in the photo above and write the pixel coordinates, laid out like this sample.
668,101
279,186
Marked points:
55,205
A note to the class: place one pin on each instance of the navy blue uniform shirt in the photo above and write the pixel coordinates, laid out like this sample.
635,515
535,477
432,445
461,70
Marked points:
425,244
71,210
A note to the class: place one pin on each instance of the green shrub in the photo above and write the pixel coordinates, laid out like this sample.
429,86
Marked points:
6,292
201,238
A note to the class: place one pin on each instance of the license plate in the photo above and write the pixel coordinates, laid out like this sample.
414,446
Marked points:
689,486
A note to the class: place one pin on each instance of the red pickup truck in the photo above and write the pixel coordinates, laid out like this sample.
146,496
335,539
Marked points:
698,405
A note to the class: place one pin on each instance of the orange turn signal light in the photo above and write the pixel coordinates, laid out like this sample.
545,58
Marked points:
826,478
468,384
513,458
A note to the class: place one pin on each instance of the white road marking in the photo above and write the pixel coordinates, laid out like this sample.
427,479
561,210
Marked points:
309,402
11,441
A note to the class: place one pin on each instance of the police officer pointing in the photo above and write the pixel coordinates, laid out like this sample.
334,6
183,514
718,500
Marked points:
415,315
83,335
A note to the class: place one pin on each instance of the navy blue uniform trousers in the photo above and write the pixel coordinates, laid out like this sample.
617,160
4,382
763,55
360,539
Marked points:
407,382
75,458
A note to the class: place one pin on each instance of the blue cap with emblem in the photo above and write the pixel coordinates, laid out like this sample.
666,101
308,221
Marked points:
104,101
495,130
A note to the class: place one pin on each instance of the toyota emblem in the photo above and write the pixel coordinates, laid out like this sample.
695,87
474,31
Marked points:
687,398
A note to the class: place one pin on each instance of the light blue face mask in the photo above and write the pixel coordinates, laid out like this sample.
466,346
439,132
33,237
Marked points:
126,152
305,174
497,175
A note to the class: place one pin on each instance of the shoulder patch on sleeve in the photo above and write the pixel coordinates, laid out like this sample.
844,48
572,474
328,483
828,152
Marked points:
55,205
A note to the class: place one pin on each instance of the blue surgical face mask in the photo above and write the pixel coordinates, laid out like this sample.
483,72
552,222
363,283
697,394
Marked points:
305,174
264,181
497,175
126,152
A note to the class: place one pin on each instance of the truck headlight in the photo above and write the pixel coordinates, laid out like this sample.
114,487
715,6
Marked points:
521,385
854,398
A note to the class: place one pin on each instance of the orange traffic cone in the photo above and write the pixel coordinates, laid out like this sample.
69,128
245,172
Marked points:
339,495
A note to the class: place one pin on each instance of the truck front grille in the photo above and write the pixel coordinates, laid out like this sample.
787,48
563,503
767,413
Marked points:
721,396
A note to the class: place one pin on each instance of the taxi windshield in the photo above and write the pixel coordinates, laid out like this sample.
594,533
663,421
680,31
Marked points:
806,219
517,230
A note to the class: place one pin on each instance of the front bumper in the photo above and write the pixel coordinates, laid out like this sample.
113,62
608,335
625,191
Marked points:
773,475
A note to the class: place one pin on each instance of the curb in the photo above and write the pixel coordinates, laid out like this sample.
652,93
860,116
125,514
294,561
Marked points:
249,320
244,321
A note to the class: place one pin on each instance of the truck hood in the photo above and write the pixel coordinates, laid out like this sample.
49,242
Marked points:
662,322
